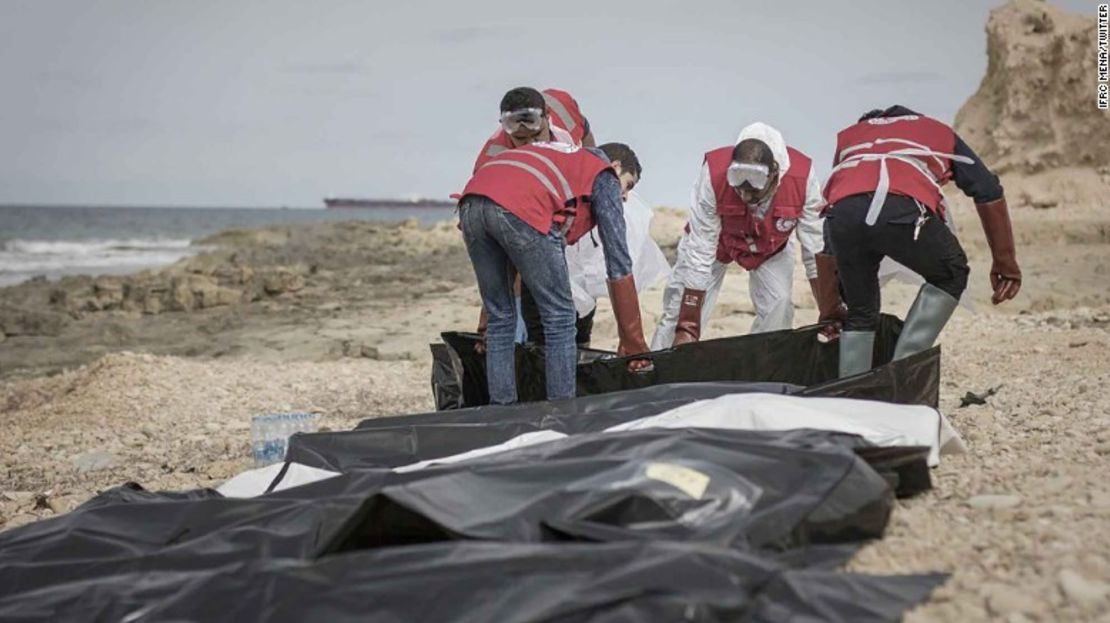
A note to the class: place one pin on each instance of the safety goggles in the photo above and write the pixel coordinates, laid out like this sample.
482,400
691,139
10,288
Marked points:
528,118
753,175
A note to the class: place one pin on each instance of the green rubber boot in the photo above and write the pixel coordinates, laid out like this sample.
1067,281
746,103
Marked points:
927,316
856,348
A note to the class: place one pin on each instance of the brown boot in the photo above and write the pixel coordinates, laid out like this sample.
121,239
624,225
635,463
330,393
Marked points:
626,307
688,328
1005,274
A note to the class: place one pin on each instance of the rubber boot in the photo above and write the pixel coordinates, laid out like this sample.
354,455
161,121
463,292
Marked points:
927,316
856,348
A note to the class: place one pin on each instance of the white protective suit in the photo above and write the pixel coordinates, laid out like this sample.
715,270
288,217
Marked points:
771,285
586,259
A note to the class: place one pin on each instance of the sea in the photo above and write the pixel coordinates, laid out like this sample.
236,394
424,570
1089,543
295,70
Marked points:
53,241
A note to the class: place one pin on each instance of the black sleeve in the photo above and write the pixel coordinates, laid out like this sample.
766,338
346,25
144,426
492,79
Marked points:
585,125
975,179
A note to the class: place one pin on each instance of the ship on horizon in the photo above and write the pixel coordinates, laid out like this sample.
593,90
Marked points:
413,202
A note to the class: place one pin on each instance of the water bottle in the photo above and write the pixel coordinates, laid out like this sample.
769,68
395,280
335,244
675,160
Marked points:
270,434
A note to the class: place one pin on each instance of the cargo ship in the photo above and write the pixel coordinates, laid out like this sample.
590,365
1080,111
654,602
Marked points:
418,202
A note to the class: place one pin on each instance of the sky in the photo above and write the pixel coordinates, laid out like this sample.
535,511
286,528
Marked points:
280,102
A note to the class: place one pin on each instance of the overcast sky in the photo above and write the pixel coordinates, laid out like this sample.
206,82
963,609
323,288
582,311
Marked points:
275,102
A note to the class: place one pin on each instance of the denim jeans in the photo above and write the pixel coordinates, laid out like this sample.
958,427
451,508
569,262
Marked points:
497,240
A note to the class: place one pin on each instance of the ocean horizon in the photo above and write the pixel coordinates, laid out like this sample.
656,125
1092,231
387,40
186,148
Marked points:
53,241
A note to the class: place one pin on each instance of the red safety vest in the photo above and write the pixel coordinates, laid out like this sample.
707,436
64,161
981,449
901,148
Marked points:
910,155
746,239
568,125
542,183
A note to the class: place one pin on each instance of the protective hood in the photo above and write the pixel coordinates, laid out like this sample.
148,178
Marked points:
763,132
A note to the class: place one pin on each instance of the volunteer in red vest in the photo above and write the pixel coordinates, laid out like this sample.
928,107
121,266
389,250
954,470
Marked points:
529,116
749,202
884,200
551,115
519,210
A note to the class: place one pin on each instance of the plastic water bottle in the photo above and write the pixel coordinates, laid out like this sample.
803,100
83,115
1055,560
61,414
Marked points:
270,434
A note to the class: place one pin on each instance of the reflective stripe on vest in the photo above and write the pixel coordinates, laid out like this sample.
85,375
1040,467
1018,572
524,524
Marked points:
531,169
565,217
911,155
496,144
568,194
554,105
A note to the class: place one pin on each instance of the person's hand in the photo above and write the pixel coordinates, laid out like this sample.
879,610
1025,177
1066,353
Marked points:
832,323
1005,275
636,365
1005,280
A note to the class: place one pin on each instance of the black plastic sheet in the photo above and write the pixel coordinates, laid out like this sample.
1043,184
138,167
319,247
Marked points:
812,489
631,582
794,356
446,378
645,525
402,440
740,489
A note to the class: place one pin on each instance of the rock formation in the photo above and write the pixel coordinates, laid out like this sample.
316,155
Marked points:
1035,108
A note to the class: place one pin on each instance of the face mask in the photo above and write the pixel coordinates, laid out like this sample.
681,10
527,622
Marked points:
527,118
743,174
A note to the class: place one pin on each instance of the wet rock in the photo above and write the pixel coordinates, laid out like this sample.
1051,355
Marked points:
108,293
181,296
282,281
153,305
202,292
17,321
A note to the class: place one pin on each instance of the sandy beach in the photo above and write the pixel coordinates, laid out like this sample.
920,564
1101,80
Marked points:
153,377
164,398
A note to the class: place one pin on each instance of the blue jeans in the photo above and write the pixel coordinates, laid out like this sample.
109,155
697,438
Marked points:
497,240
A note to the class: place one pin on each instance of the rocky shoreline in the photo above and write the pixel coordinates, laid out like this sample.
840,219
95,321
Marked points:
153,377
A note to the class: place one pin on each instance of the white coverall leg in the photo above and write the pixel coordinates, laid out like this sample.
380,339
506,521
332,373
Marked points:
771,287
664,330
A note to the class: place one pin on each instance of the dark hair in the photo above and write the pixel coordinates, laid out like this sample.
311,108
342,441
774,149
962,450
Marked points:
623,153
523,97
896,110
755,151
